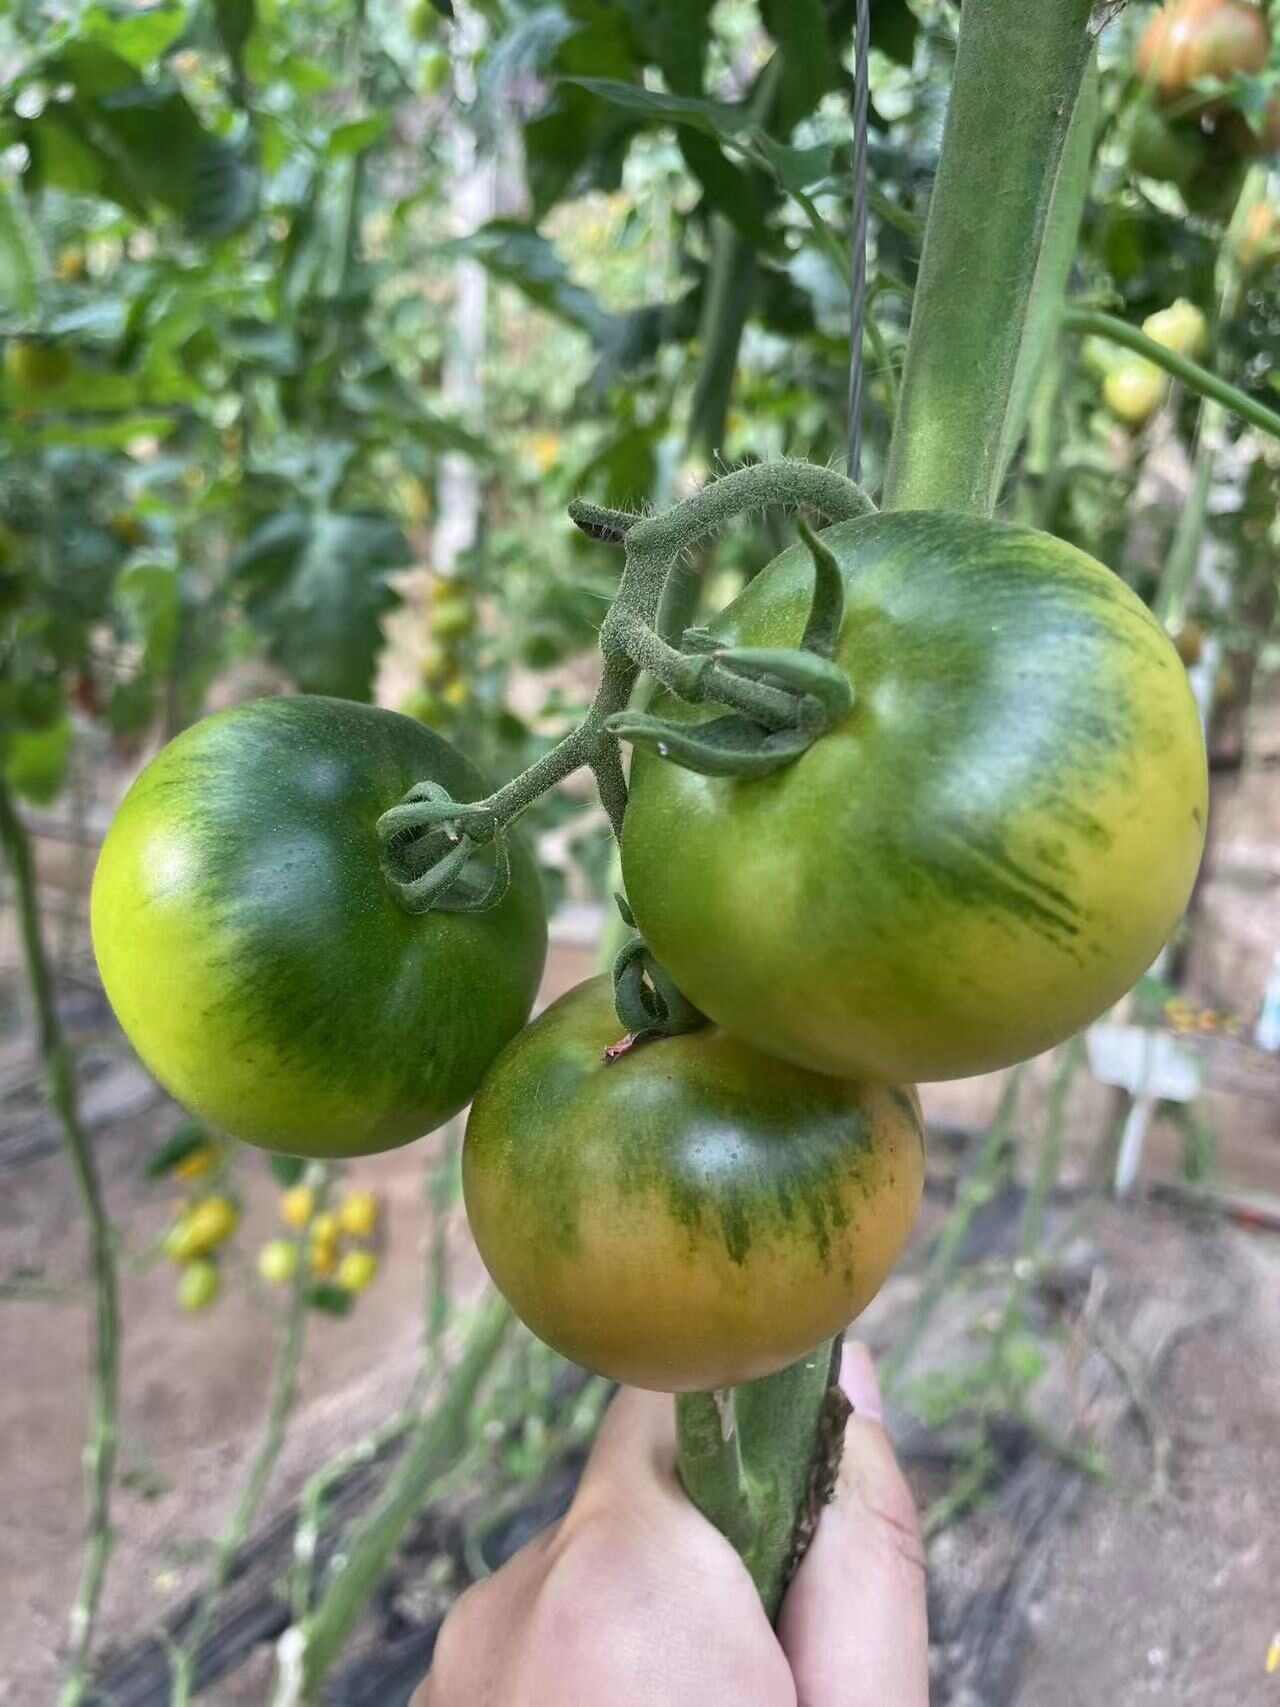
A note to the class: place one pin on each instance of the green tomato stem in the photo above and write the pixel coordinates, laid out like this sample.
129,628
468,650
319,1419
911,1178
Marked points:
100,1448
631,641
747,1459
1019,69
185,1660
436,1442
1199,379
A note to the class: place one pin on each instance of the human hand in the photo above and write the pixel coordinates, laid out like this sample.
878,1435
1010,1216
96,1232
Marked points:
635,1600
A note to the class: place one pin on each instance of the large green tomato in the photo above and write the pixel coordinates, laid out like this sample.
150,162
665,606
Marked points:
257,959
988,850
693,1214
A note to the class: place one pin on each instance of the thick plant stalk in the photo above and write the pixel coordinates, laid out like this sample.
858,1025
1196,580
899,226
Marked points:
437,1440
760,1461
100,1449
757,1461
1018,75
1053,272
185,1662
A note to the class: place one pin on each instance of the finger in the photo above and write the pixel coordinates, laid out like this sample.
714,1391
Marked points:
853,1625
638,1434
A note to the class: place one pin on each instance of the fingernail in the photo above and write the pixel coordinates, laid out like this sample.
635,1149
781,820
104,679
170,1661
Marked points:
858,1378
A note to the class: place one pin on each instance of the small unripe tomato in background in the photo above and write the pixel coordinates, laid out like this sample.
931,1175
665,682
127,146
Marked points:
356,1270
358,1214
198,1286
323,1256
1134,390
213,1220
1181,328
278,1262
297,1205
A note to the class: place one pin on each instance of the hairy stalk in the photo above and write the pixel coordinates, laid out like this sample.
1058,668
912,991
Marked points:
185,1660
436,1442
631,641
1057,254
747,1458
1019,69
59,1068
1201,380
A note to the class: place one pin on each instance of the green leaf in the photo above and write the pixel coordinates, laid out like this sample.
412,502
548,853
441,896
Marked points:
137,143
356,137
35,761
714,118
142,37
317,590
522,257
189,1137
674,34
797,168
810,68
147,594
332,1300
22,262
894,28
89,434
581,143
730,190
234,20
288,1170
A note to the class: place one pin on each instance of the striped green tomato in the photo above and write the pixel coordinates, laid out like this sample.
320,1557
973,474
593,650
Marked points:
983,856
256,957
692,1214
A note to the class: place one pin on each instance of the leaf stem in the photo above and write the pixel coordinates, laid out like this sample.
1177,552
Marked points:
1202,380
185,1659
59,1067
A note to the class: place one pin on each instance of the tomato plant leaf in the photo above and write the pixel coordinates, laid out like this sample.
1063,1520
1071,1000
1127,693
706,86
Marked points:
141,37
21,258
316,591
234,20
35,761
288,1170
135,142
332,1300
810,69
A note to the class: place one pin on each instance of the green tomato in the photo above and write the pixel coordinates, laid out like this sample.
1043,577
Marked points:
259,962
278,1261
1181,328
198,1285
1134,389
981,857
693,1214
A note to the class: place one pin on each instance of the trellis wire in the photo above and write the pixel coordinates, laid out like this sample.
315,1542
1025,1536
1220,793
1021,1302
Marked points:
858,286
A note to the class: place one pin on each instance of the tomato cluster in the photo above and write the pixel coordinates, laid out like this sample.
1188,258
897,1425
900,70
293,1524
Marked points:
1191,132
980,856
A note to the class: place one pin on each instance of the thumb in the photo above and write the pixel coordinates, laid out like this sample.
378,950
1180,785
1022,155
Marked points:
853,1625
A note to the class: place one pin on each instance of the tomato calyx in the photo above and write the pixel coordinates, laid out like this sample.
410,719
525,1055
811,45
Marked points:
750,742
776,702
431,861
650,1004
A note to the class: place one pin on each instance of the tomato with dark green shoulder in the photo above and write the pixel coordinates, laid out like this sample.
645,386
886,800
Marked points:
982,856
693,1214
256,956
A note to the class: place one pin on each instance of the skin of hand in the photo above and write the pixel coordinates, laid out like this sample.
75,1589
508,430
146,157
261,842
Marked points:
635,1600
